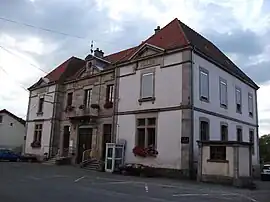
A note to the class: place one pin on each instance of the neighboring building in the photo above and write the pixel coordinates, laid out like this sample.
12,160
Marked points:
12,130
176,88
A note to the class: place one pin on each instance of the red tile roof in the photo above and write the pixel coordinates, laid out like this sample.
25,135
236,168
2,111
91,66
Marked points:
116,57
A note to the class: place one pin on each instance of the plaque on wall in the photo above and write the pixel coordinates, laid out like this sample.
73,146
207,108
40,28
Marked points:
184,140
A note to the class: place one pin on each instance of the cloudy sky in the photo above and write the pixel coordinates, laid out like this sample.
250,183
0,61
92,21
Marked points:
240,28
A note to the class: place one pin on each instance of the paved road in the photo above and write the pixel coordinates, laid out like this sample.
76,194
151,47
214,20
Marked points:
44,183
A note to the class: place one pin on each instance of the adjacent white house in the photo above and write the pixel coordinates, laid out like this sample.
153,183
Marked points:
12,129
177,88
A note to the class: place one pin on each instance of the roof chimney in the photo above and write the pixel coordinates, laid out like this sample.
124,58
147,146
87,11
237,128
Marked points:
157,29
98,53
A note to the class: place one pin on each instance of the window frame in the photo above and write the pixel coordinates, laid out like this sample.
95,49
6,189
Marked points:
87,98
69,99
240,94
110,93
223,82
202,97
1,118
202,119
41,104
145,73
250,105
252,140
38,133
146,126
218,153
237,137
222,124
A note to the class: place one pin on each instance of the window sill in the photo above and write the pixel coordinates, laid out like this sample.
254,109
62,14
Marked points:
204,99
39,113
35,145
217,161
223,106
147,99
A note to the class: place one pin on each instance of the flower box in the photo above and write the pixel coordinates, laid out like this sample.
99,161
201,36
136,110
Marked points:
108,105
145,152
95,106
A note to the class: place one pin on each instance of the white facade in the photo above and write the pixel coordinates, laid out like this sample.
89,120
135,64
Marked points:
168,93
11,132
222,115
44,118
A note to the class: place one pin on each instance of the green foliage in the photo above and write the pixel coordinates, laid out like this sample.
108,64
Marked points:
265,148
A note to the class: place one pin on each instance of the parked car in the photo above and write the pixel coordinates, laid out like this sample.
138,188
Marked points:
265,174
9,155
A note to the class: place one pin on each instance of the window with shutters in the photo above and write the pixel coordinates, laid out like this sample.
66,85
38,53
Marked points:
109,93
87,98
251,140
204,130
223,95
238,100
250,105
204,85
224,132
147,85
239,134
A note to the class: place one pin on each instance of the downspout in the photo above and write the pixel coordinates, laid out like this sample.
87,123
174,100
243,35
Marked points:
257,131
115,104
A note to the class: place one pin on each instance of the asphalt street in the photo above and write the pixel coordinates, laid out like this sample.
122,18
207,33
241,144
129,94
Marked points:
45,183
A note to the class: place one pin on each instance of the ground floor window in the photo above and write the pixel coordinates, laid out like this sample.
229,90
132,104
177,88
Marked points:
146,132
37,136
224,132
204,130
218,153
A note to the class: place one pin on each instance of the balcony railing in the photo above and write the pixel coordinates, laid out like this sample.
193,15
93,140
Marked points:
76,112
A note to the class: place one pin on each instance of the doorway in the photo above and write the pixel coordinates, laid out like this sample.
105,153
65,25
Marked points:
85,142
107,130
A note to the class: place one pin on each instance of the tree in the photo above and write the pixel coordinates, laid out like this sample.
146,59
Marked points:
264,144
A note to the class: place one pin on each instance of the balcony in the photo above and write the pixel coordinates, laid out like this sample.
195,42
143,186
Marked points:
81,112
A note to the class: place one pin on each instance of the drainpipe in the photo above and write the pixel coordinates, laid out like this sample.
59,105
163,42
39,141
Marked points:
115,104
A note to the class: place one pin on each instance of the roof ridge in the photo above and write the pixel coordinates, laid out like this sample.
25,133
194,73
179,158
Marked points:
21,120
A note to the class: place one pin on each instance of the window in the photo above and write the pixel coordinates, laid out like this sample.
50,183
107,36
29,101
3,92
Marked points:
146,132
238,100
204,85
218,153
224,132
251,139
204,133
40,105
223,93
69,99
239,134
109,93
1,118
38,133
250,104
87,98
147,85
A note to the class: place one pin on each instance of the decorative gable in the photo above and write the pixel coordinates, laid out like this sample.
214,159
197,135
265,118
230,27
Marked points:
145,51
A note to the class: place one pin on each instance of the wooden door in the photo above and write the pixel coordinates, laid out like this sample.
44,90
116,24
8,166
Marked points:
85,142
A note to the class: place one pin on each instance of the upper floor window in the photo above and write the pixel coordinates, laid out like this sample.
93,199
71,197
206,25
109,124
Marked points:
204,130
204,85
1,118
251,140
146,132
238,100
239,134
40,105
250,104
69,99
223,95
110,93
224,132
87,97
147,85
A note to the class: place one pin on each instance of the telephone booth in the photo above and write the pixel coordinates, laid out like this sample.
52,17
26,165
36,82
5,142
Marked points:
114,156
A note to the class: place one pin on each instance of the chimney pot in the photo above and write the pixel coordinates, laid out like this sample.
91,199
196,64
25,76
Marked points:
98,53
157,29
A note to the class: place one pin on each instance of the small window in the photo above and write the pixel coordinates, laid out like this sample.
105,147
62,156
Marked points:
224,132
218,153
204,85
250,105
147,85
40,105
146,132
251,140
204,127
223,93
238,97
239,134
1,118
11,124
69,99
38,133
87,98
110,93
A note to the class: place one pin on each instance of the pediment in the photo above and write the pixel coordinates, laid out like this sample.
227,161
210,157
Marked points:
41,82
145,51
87,72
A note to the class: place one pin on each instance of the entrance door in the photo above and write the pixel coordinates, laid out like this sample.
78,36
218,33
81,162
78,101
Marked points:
85,142
107,129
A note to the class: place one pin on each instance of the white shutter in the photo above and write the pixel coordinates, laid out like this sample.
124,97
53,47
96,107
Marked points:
238,96
250,103
223,92
204,87
147,85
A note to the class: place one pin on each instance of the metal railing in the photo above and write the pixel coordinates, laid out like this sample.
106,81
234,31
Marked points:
86,155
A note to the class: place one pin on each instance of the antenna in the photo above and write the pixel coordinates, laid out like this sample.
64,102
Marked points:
92,46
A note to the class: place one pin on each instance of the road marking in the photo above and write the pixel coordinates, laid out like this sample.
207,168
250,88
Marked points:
77,180
146,187
118,182
190,194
